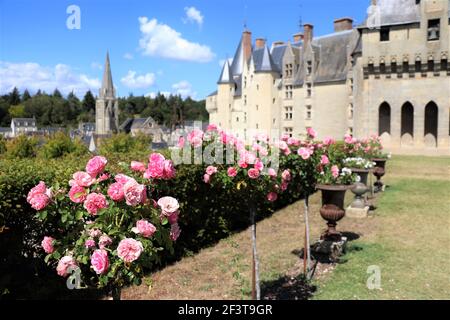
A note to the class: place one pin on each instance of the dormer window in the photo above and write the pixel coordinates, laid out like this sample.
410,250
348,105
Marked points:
385,34
434,29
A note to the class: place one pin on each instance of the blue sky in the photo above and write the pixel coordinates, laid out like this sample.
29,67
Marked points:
169,46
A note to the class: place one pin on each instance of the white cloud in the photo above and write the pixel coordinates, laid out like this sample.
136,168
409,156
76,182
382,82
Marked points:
222,62
33,76
184,89
133,80
96,66
160,40
154,94
193,15
128,56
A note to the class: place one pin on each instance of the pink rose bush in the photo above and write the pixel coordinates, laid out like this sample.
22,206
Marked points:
108,223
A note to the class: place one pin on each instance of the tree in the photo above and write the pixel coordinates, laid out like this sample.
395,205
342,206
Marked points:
14,97
17,111
88,103
26,95
57,93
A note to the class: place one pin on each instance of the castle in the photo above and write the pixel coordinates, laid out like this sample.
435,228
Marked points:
389,76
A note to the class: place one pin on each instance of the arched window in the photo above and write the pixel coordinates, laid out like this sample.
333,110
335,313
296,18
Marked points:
384,119
407,119
431,124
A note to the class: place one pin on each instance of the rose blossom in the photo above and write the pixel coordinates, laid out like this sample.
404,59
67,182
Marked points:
144,228
211,170
39,201
284,185
155,168
311,133
96,165
168,205
272,173
305,153
169,170
329,141
47,244
129,250
253,173
89,243
242,164
181,142
99,261
115,192
39,189
122,179
64,264
272,196
94,233
94,202
104,241
335,171
324,161
232,172
82,179
195,138
212,127
103,177
175,231
206,178
137,166
135,193
286,175
173,218
77,194
259,165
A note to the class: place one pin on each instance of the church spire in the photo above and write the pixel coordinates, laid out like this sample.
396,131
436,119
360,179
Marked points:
107,89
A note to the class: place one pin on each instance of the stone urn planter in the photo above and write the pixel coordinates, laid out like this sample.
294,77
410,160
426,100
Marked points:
332,208
379,171
360,188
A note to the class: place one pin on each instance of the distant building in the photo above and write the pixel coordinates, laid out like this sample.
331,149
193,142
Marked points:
86,128
23,126
147,126
5,132
107,105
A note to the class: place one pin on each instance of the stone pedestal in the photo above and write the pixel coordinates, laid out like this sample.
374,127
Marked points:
357,213
332,249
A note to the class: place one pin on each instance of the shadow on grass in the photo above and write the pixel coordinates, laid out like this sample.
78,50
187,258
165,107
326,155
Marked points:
287,288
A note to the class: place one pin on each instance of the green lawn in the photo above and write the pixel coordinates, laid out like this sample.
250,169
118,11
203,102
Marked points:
408,238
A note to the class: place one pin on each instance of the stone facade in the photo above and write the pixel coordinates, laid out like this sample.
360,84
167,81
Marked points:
389,76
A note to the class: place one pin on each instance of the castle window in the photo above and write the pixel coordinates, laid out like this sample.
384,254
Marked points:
257,87
273,100
350,111
237,119
288,113
371,68
245,100
385,34
434,29
405,66
394,67
289,131
274,120
444,64
309,68
383,68
418,66
308,89
245,82
308,112
430,65
257,126
257,107
245,117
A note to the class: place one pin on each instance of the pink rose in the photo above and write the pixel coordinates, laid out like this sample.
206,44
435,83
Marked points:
293,142
47,244
324,161
168,205
173,218
272,196
95,202
94,233
195,138
175,231
272,173
39,201
284,185
135,193
242,164
232,172
122,179
144,228
253,173
103,177
77,194
259,165
99,261
155,168
211,170
181,142
285,137
212,127
335,171
305,153
329,141
104,241
206,178
96,165
169,170
311,133
39,189
129,250
89,243
349,139
115,192
82,179
137,166
286,175
64,264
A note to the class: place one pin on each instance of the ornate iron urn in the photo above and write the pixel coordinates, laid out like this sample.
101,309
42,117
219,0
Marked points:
379,171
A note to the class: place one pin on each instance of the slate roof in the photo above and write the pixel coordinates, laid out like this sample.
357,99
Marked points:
226,76
263,61
237,66
277,56
24,122
394,12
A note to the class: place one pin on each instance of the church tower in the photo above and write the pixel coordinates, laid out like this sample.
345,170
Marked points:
107,106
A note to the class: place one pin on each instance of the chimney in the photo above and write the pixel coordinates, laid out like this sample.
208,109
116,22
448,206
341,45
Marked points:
260,43
247,44
298,37
343,24
308,30
278,43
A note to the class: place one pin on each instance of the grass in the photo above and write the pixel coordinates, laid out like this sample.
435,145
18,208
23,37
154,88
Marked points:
408,238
